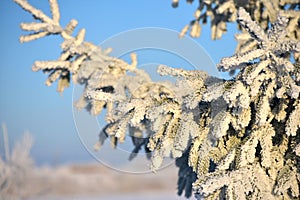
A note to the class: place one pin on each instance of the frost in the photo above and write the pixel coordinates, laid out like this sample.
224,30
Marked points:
219,13
293,122
220,124
16,166
231,139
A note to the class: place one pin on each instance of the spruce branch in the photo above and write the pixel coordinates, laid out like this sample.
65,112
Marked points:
232,139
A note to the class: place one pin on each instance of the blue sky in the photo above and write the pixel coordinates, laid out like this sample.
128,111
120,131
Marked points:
27,104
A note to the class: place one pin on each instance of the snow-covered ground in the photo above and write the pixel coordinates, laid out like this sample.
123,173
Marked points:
146,196
94,181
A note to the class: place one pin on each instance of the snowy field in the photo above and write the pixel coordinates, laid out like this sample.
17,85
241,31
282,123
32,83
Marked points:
93,182
149,196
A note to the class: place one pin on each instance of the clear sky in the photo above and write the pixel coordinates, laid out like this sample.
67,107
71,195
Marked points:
27,104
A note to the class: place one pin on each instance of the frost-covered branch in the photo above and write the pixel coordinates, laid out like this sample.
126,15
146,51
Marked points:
232,139
264,12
